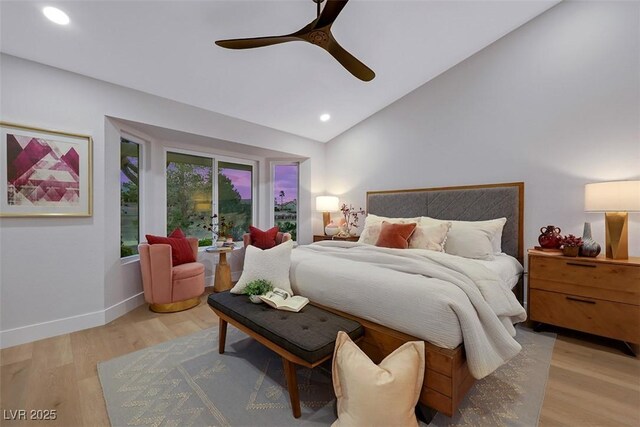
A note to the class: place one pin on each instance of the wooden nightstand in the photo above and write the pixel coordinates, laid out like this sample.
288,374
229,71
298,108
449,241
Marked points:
318,238
596,295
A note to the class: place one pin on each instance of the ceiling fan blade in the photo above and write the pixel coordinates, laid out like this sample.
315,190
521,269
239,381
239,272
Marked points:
330,12
255,42
350,62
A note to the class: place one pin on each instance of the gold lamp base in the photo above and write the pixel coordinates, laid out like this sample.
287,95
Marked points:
617,235
326,219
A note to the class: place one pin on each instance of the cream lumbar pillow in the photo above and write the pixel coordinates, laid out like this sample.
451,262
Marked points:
373,225
492,227
471,243
431,238
377,395
269,264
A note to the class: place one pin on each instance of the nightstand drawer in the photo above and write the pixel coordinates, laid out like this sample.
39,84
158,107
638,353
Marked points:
609,319
604,292
584,272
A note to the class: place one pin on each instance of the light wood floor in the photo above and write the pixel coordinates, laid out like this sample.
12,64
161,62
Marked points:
590,384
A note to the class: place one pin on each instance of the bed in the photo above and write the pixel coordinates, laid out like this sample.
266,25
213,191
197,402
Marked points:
445,323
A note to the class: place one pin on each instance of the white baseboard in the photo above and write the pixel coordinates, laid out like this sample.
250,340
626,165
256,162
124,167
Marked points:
52,328
123,307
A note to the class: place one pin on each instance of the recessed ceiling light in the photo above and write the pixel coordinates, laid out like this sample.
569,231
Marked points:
56,15
325,117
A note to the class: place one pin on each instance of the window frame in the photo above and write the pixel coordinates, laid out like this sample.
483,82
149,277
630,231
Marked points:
142,147
272,189
214,188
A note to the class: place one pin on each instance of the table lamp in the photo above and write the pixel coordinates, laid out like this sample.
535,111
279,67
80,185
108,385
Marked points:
327,204
615,199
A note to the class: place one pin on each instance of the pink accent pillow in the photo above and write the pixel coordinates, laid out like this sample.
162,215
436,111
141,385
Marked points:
263,239
181,252
395,236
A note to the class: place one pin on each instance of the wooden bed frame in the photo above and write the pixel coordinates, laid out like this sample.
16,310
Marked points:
446,378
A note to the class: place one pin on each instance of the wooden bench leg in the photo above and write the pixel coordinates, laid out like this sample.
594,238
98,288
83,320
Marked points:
222,335
292,385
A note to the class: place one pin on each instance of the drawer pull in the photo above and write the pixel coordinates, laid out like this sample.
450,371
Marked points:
580,300
577,264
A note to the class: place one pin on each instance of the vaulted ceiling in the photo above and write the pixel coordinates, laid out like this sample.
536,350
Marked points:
167,48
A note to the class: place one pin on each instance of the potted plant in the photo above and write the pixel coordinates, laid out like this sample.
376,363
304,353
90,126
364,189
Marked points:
256,288
570,245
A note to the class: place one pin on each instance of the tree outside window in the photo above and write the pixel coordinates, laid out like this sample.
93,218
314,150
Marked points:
129,197
285,201
190,204
235,198
190,195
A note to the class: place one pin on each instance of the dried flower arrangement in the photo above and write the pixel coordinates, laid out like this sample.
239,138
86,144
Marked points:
571,245
571,241
351,216
217,226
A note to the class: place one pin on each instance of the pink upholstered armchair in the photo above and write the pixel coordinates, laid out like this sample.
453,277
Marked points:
280,238
168,289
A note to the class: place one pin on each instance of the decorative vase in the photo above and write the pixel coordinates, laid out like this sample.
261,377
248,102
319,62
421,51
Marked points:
550,237
255,299
590,247
331,229
570,250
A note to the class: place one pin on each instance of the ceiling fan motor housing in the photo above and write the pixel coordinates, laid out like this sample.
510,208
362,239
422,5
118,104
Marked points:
318,37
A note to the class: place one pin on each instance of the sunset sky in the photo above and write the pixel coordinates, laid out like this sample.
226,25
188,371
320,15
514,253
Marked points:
286,177
241,181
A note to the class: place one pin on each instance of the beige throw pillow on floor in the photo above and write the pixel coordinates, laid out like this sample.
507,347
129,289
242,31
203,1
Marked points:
377,395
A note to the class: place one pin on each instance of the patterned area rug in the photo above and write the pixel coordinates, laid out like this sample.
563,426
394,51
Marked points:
185,382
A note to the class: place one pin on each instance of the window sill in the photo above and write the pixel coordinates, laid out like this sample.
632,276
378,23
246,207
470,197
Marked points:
129,259
136,258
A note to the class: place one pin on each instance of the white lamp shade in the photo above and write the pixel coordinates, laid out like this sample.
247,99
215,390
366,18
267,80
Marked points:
327,203
616,196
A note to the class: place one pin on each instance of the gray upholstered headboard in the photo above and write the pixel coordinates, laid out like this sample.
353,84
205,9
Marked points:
467,203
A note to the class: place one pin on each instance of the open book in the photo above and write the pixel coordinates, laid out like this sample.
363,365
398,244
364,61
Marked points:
283,300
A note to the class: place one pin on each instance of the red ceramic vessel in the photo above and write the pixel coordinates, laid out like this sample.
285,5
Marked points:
550,237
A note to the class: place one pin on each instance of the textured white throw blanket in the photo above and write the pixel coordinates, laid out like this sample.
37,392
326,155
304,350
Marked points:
451,298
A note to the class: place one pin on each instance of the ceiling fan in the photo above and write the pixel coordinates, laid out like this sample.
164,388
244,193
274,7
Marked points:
317,32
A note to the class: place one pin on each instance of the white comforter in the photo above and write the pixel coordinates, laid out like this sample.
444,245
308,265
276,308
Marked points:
441,298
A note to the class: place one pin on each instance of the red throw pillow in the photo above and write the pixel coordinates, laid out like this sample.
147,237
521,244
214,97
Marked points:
181,252
395,236
263,239
177,233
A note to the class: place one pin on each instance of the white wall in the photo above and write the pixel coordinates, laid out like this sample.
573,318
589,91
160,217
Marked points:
555,104
59,275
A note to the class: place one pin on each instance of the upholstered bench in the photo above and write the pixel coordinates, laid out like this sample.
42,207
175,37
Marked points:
306,338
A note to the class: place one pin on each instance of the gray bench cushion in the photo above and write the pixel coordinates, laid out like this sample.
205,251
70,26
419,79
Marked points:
309,334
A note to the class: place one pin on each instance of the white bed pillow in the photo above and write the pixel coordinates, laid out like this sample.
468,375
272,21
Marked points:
373,224
431,238
470,242
377,395
268,264
493,227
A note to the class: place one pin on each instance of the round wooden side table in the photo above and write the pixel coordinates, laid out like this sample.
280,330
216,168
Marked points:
222,281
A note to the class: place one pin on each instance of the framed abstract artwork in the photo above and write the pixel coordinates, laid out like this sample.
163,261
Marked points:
44,172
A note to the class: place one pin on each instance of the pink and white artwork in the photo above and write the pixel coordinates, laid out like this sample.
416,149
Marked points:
44,172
